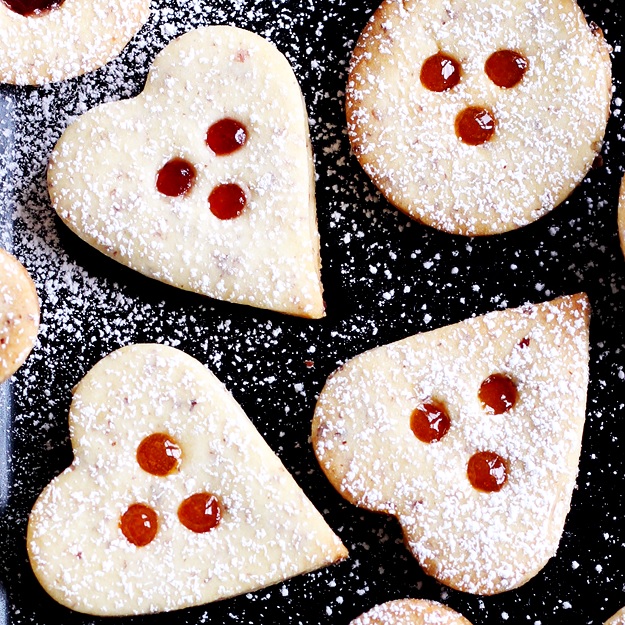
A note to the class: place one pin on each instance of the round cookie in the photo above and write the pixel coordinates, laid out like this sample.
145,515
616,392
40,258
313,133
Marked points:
547,128
19,315
617,619
411,612
41,45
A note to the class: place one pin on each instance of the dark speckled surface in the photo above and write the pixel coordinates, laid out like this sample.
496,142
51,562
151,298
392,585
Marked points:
385,278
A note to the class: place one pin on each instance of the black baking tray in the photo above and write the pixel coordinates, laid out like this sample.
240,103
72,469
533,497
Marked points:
385,278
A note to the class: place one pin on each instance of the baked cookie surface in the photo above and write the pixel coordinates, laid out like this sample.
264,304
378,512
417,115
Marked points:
545,129
470,435
204,181
19,315
411,612
71,38
173,498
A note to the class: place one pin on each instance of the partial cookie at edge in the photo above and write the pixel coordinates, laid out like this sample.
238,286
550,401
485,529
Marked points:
77,37
411,612
19,315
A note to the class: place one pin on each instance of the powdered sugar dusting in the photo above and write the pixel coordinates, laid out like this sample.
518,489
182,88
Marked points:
76,37
102,176
411,612
476,542
269,530
385,278
549,128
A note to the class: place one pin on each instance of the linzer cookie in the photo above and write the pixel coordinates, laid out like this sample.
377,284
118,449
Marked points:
617,619
470,435
173,498
411,612
19,315
206,180
51,40
478,117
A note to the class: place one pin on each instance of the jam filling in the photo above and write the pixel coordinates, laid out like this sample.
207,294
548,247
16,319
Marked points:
32,8
475,125
498,394
227,201
440,72
506,68
139,524
487,471
159,454
430,422
175,178
226,136
200,513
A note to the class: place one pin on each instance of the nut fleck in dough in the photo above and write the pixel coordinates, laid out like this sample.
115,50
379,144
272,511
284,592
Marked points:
269,530
19,315
411,612
102,176
77,37
548,127
522,453
617,619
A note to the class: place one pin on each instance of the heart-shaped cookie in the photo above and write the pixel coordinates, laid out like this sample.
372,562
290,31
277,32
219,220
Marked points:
411,612
50,40
478,117
173,498
19,315
204,181
470,435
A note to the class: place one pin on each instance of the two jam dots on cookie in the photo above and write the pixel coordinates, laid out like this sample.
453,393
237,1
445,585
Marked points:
430,422
474,125
160,455
177,177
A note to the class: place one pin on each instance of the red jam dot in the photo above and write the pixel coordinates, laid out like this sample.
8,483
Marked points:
506,68
227,201
159,454
176,178
440,73
475,126
200,513
31,8
487,471
430,422
139,524
498,394
226,136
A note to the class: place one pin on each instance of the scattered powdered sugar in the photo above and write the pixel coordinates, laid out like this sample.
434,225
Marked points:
91,307
473,541
548,128
75,38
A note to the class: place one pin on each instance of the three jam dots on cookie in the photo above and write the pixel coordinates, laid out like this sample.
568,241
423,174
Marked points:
430,422
474,125
177,177
160,455
32,8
